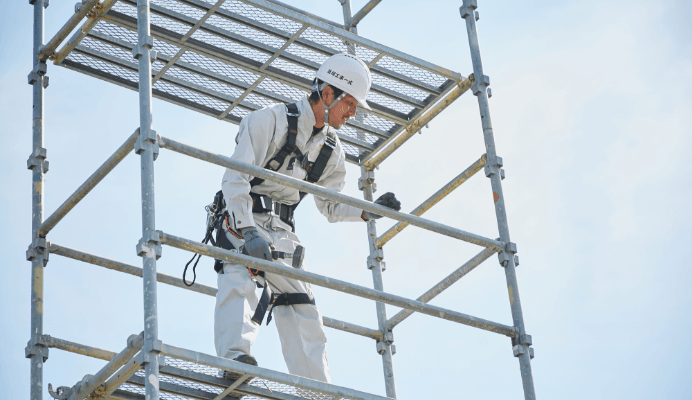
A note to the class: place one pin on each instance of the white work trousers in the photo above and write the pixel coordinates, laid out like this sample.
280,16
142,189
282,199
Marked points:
303,341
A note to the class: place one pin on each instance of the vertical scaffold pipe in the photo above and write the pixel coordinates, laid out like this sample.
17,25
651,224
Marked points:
493,171
36,164
147,145
384,347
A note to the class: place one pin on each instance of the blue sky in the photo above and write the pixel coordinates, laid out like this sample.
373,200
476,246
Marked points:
591,110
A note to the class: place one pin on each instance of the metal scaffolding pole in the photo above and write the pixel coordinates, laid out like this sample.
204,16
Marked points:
36,350
375,264
522,342
149,248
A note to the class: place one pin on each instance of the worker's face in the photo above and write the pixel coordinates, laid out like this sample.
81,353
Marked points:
342,111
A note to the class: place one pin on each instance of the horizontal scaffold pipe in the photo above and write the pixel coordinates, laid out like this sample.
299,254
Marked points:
48,50
328,194
442,285
88,185
134,344
341,286
78,348
394,143
127,268
197,287
434,199
353,328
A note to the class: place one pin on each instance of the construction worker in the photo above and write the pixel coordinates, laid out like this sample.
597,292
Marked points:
300,141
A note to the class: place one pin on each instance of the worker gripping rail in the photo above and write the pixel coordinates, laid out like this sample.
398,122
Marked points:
217,225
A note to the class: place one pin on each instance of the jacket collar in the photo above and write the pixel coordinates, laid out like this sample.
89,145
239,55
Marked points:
306,112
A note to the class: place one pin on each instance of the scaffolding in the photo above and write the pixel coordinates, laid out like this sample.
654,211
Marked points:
227,58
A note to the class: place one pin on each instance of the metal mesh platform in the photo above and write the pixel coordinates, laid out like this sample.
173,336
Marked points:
182,380
228,58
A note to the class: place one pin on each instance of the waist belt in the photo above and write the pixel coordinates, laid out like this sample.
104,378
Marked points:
263,204
284,299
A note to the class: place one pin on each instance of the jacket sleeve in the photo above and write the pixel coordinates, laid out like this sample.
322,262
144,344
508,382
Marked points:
254,136
334,179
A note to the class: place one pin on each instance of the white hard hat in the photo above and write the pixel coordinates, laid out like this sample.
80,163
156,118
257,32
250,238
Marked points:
348,73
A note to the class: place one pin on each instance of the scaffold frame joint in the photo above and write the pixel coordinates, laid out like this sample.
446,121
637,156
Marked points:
36,346
45,3
367,179
38,73
38,250
492,166
468,7
149,246
480,85
138,50
145,357
38,159
150,137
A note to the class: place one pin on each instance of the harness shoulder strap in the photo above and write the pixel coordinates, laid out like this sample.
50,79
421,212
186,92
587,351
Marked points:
289,147
316,170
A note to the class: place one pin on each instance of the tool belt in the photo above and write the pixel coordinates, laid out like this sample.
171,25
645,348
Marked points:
263,204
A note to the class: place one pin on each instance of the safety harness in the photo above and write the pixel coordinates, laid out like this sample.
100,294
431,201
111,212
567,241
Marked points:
217,214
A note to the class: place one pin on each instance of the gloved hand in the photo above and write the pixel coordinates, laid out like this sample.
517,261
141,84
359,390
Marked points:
256,245
388,200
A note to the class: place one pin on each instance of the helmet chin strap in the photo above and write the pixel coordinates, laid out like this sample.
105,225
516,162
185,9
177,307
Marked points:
327,108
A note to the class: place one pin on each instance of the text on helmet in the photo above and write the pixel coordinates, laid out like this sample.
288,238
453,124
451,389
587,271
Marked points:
339,76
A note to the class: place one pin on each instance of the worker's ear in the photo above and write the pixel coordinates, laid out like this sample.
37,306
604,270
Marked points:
328,96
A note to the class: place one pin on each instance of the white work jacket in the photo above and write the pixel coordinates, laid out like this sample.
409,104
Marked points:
261,135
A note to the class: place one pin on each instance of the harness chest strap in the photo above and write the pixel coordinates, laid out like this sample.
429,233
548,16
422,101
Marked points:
315,169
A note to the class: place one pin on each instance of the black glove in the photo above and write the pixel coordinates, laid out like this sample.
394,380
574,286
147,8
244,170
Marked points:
256,245
388,200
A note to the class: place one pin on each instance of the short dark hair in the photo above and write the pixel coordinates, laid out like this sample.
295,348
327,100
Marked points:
315,96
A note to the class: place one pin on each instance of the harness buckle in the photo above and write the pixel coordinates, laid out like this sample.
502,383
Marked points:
292,114
330,141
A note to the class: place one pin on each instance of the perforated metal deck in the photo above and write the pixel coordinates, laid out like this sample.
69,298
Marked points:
182,380
228,58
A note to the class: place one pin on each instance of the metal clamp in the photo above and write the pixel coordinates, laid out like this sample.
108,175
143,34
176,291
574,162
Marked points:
521,344
480,85
389,338
38,159
62,393
468,7
143,140
36,346
38,250
368,179
493,166
150,245
507,254
379,256
381,347
147,355
39,74
138,50
45,3
374,263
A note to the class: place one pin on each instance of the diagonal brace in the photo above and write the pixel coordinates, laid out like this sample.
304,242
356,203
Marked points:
442,285
88,185
432,200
